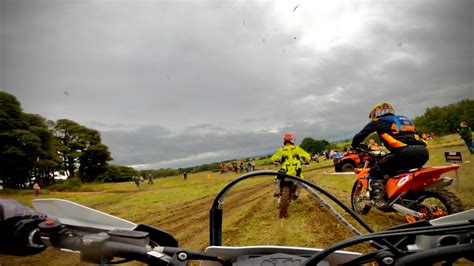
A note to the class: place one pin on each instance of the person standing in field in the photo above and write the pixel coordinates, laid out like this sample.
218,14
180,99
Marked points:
136,180
185,176
37,189
290,157
466,134
374,146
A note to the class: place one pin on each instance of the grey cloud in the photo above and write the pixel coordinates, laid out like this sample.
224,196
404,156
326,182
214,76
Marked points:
147,145
168,80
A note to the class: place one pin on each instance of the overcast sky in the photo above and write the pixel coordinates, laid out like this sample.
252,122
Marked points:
179,83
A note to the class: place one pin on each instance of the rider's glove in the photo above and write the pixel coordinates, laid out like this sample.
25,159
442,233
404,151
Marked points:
17,229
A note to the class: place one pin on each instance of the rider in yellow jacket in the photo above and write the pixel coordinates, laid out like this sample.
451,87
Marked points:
290,157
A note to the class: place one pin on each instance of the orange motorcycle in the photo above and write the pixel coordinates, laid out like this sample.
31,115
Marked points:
417,194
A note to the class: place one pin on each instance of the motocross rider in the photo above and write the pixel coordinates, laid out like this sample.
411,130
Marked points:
399,136
289,156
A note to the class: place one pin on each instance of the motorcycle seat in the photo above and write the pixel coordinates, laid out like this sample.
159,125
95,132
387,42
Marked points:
403,171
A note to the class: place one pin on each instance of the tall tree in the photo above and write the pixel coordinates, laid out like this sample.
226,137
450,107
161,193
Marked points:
311,145
25,144
47,163
93,162
81,150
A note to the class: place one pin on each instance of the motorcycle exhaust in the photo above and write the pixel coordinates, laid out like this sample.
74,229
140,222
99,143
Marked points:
405,210
442,182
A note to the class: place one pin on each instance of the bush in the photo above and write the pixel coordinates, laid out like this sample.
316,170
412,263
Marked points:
68,185
117,173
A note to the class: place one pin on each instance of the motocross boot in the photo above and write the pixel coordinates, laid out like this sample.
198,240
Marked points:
296,192
378,192
276,193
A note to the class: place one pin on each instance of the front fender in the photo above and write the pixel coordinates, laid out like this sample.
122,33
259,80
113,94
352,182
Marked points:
362,176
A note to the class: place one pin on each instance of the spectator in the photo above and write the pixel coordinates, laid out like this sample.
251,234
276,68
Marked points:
37,189
185,176
374,146
136,180
423,136
223,168
466,134
326,154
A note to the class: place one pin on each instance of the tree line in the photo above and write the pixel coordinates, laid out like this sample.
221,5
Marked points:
445,120
33,149
311,145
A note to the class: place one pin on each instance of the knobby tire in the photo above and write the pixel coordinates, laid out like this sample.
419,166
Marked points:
452,203
284,201
356,190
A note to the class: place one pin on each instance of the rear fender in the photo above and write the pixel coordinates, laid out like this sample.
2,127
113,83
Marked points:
427,176
434,172
414,181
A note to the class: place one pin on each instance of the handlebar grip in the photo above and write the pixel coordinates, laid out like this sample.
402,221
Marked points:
96,252
100,247
20,237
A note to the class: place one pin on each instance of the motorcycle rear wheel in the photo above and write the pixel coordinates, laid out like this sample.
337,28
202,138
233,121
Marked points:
285,198
358,195
436,203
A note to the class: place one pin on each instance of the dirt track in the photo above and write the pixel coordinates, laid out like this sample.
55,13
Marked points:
250,218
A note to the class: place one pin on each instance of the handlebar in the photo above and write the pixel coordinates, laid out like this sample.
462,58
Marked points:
107,246
104,247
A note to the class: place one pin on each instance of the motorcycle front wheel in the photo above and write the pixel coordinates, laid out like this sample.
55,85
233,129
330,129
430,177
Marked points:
358,198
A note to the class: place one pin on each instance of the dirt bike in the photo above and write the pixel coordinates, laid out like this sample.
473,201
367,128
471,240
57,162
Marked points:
106,239
417,193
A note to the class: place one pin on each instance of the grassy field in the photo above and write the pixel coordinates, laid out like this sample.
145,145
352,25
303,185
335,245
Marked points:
250,212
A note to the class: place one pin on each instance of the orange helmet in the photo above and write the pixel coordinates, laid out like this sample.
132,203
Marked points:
288,137
380,110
